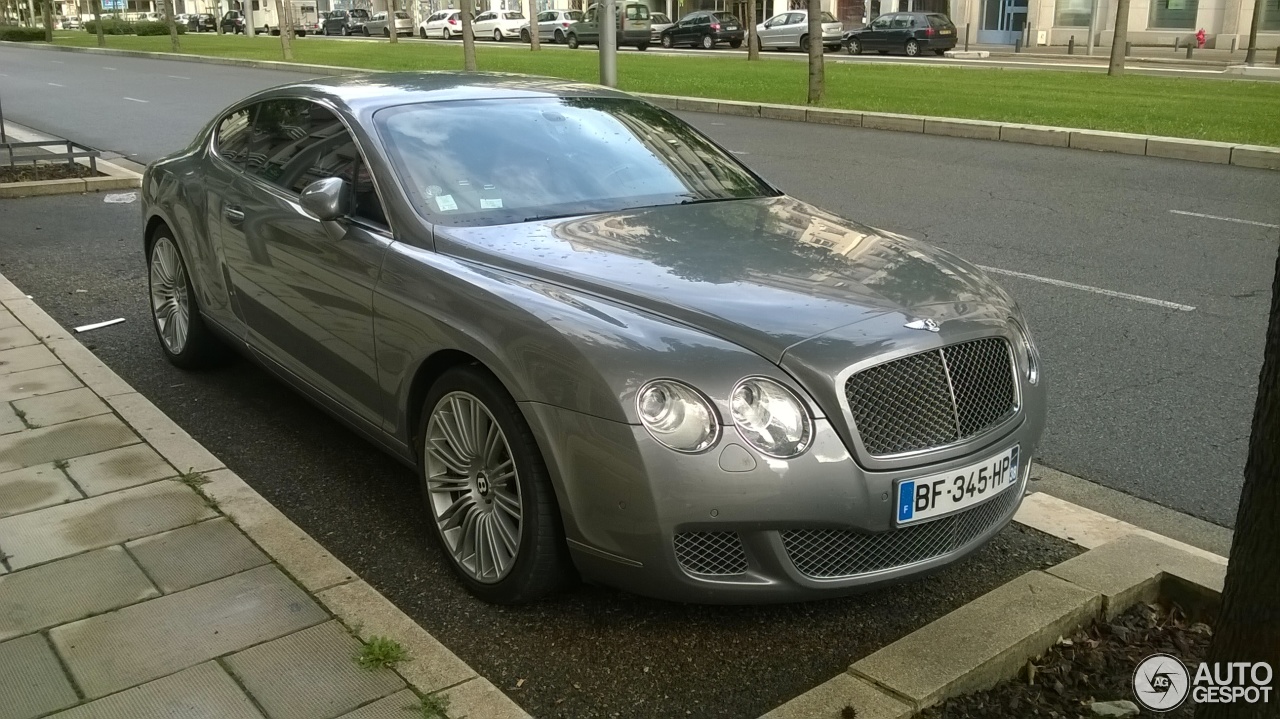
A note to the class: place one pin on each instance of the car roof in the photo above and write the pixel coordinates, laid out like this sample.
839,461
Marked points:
367,92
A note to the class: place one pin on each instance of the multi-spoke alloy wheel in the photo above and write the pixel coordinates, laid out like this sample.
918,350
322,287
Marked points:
169,301
473,487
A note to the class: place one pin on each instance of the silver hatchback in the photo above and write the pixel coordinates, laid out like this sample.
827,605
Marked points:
791,30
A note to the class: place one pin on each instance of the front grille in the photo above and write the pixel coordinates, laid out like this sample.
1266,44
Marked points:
933,398
715,553
835,553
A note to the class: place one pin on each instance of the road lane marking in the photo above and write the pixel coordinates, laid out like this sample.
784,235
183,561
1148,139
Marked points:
55,84
179,77
104,67
134,99
1089,288
56,62
1224,219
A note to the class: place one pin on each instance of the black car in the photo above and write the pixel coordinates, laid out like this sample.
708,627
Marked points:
345,22
233,22
908,32
704,29
202,22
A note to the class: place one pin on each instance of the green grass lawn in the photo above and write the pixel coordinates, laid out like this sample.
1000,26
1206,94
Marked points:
1226,110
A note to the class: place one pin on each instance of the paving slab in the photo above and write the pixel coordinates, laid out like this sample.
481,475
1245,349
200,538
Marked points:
830,698
204,691
401,705
21,359
63,441
59,407
166,437
982,643
118,469
9,420
87,366
480,699
145,641
310,674
34,318
33,681
196,554
7,320
30,488
70,589
67,529
19,336
20,385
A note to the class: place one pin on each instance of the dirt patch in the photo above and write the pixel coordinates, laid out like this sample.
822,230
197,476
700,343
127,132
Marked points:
1095,665
45,171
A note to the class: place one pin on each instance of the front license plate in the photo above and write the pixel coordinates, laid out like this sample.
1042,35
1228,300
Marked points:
941,494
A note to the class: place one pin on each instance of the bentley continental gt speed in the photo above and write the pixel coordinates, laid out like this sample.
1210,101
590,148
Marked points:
607,347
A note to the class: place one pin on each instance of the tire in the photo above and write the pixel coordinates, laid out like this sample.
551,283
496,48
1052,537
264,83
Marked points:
855,46
497,35
185,339
301,33
422,33
735,44
366,32
386,32
707,42
484,505
667,42
525,37
558,37
759,44
642,46
346,31
912,48
804,43
939,52
573,41
444,34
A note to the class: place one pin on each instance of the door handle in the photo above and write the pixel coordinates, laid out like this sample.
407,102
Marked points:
233,214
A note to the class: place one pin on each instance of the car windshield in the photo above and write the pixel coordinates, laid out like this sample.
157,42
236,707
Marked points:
660,18
487,162
724,17
360,13
828,17
576,15
513,16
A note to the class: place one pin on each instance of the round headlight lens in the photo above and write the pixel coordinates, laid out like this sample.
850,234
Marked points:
677,415
771,418
1026,351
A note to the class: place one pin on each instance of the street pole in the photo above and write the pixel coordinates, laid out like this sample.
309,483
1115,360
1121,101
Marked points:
246,9
1093,27
1251,56
609,44
1116,67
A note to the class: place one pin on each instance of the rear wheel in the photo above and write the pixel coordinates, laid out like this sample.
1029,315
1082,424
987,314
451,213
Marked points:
912,48
497,36
185,339
939,52
855,46
558,37
667,42
422,33
444,34
804,44
488,492
708,42
735,44
642,46
366,32
573,41
524,36
386,32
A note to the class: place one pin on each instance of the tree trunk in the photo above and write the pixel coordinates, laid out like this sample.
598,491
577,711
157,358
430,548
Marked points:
753,43
97,19
46,7
817,78
534,45
1248,628
1251,55
468,38
1116,68
393,33
286,31
171,19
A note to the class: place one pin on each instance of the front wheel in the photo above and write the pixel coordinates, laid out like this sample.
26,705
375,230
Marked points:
366,32
422,33
804,44
642,46
708,42
735,44
524,36
855,47
386,32
573,41
497,36
487,490
667,42
912,48
444,34
185,339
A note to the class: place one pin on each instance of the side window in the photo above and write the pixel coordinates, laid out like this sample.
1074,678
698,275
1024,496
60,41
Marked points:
283,132
233,137
881,22
591,15
901,21
337,156
637,12
795,18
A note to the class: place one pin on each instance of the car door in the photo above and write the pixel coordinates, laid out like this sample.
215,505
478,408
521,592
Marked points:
874,37
792,28
898,33
304,288
588,30
483,23
769,29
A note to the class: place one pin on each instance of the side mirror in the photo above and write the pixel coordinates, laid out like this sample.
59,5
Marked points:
328,199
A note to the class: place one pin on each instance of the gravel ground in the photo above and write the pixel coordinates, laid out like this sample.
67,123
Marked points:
44,171
1095,665
591,652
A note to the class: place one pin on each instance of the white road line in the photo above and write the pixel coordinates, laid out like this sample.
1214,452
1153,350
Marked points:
104,67
179,77
55,84
1224,219
56,62
134,99
1087,288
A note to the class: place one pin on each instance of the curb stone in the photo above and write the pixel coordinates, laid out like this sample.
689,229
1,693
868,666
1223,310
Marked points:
432,668
114,176
1243,155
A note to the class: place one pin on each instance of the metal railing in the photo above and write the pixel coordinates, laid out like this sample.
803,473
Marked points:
72,153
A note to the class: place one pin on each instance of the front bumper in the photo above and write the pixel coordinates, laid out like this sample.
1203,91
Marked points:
625,499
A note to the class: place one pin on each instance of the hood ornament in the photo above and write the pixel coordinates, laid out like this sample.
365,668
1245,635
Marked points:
925,324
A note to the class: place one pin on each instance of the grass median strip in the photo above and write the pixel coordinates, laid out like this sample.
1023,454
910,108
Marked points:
1237,111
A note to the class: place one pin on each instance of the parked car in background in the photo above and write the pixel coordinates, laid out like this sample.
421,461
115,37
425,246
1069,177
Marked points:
657,23
790,29
656,369
911,33
553,24
380,24
632,22
498,24
345,22
444,24
202,22
232,22
71,23
704,29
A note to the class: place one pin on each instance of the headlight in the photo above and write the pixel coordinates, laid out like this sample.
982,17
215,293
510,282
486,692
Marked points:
677,415
770,417
1026,351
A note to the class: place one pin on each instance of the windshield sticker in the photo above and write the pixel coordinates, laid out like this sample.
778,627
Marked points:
486,204
445,203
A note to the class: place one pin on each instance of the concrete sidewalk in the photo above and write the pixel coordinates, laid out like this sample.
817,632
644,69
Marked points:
139,578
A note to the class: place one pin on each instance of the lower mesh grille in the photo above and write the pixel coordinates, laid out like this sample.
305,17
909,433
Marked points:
716,553
832,553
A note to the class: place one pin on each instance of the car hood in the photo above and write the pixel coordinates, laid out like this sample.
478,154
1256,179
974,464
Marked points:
764,273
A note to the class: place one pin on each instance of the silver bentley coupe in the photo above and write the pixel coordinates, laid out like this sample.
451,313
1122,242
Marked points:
608,348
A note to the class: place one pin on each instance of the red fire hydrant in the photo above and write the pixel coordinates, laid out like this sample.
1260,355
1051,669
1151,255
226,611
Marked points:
1200,38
